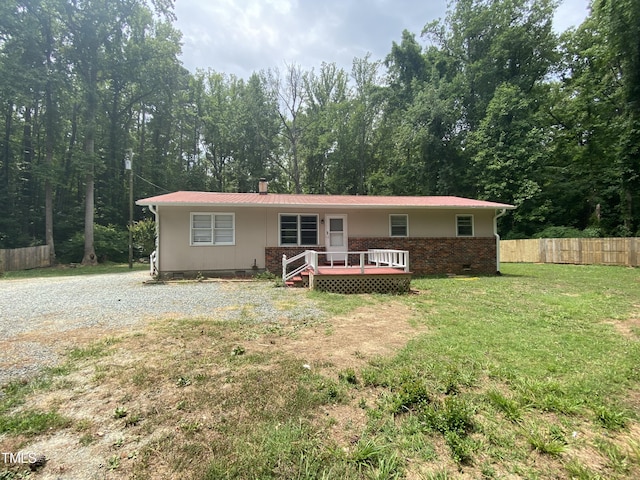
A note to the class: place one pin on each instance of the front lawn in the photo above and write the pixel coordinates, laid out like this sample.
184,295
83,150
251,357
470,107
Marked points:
533,374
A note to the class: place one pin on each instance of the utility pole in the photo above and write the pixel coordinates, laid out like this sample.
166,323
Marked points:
128,165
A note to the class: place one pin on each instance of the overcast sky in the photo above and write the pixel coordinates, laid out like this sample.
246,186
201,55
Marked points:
243,36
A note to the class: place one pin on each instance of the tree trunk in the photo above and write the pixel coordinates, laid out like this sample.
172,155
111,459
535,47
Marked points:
89,251
49,146
89,150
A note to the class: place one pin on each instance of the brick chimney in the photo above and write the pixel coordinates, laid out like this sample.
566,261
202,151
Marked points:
262,186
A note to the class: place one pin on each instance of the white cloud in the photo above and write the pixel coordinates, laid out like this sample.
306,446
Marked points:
242,36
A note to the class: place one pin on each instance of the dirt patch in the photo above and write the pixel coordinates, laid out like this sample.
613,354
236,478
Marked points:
352,340
629,328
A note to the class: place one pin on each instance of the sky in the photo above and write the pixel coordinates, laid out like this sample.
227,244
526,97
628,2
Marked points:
244,36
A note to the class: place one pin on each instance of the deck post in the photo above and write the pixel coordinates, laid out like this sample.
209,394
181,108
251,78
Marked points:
362,263
284,267
314,260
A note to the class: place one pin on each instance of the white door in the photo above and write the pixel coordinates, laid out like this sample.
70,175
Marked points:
336,238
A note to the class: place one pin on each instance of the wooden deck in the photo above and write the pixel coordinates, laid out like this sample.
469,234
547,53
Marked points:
348,280
386,272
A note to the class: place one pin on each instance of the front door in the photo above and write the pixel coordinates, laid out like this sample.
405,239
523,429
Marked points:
336,238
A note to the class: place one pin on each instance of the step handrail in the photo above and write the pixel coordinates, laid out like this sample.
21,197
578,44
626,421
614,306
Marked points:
285,263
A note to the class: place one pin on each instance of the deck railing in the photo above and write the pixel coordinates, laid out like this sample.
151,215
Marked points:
390,258
375,258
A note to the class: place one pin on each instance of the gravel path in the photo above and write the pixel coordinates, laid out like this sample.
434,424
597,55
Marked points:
36,313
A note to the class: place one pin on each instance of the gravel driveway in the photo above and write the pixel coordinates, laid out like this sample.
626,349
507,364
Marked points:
37,315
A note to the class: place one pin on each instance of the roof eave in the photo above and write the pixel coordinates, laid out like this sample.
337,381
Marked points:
324,206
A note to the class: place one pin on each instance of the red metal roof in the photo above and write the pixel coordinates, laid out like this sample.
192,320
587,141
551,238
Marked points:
184,198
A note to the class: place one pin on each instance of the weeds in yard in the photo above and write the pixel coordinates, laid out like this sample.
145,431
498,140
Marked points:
509,408
547,441
618,460
120,412
31,422
611,418
95,350
578,471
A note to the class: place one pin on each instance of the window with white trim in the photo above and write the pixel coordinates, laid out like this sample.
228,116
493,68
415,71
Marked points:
298,230
213,229
399,225
464,225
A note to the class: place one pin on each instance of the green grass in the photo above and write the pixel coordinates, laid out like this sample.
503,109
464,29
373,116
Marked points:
533,374
540,340
76,270
31,422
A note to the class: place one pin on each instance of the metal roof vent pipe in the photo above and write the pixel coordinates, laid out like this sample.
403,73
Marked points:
262,186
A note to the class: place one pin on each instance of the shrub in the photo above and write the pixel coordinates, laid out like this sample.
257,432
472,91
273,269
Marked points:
144,237
569,232
110,243
559,232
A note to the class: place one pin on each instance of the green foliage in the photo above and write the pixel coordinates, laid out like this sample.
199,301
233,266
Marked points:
452,414
111,244
144,236
411,394
567,232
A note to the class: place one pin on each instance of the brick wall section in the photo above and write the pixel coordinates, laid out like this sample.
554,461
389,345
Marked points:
437,256
427,256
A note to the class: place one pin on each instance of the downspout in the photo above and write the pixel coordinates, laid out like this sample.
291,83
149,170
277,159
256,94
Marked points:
153,209
495,233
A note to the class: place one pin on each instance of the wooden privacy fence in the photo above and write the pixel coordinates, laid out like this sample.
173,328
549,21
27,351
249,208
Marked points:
580,251
24,258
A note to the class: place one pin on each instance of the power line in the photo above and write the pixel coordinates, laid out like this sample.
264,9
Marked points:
163,190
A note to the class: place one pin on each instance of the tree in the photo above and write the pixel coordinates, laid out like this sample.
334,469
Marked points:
292,99
365,112
325,115
96,33
592,113
620,24
510,154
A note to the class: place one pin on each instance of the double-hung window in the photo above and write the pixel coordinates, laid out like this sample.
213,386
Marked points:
298,230
399,225
213,229
464,225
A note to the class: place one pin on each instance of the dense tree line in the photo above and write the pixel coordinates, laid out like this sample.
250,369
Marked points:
488,103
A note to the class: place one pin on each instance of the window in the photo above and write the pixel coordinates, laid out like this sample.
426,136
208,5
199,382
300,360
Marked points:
213,229
399,225
298,230
464,225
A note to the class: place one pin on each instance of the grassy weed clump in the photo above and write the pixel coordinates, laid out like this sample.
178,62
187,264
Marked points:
95,350
611,418
410,395
32,422
549,441
507,406
453,418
